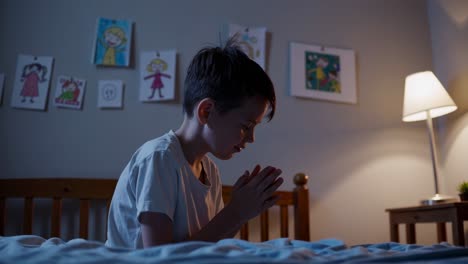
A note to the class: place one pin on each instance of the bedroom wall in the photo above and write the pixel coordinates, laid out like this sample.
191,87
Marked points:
361,158
449,33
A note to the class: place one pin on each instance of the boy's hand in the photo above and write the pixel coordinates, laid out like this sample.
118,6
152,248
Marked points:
254,192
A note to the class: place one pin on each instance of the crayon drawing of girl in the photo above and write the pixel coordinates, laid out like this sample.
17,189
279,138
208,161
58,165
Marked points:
156,67
113,41
31,76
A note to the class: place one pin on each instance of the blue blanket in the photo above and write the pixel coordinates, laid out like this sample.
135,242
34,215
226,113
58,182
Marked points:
35,249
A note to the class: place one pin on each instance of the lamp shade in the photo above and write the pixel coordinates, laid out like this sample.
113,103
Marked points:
424,92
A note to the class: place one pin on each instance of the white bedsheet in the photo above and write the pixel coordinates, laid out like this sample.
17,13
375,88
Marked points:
34,249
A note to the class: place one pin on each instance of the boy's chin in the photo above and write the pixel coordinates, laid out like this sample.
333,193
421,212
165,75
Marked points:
223,156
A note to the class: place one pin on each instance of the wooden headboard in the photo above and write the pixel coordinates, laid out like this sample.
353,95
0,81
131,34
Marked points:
86,190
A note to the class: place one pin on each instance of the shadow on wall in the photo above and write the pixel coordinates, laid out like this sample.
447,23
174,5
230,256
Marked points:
457,10
398,153
450,28
458,88
456,124
357,177
456,148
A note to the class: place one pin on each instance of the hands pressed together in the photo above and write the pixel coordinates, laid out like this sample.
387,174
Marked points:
254,192
251,195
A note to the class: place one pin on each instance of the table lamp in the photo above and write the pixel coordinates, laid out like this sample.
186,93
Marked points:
426,98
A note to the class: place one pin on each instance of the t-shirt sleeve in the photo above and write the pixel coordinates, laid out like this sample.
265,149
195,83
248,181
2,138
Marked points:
156,185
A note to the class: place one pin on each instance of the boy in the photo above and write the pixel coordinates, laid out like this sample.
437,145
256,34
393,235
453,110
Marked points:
170,191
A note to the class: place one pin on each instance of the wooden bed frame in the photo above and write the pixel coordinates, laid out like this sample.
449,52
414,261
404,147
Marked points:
86,190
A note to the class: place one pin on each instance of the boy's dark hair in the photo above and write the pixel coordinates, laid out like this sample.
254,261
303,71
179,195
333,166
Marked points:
228,76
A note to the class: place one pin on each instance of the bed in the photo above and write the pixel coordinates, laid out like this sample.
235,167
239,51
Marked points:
87,190
294,247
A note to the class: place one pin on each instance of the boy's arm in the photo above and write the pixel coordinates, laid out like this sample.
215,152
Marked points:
156,229
251,195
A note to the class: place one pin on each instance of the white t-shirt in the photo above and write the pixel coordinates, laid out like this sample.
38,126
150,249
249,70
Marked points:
158,178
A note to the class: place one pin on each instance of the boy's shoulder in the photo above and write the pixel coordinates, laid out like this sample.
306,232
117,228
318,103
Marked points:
164,145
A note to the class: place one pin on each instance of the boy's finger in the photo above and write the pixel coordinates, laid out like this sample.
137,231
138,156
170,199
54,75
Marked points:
275,185
267,178
270,202
242,179
261,176
254,171
272,188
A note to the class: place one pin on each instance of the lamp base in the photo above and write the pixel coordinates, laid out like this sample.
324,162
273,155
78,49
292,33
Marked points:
438,198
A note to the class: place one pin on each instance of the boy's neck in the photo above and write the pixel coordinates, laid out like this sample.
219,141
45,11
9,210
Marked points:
191,143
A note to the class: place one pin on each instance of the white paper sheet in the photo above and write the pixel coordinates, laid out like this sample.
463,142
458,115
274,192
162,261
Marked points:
252,41
110,93
69,92
32,82
157,75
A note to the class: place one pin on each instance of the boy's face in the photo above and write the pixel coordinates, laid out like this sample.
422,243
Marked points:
229,133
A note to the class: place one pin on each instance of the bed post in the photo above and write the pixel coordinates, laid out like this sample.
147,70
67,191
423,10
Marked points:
301,208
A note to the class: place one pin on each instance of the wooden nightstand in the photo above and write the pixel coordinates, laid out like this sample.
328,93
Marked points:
455,213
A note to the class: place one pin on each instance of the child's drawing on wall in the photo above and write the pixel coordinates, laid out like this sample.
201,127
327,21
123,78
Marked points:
69,92
110,93
157,70
32,75
322,72
32,82
251,41
113,40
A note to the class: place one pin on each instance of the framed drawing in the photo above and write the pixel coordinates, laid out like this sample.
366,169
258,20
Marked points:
322,73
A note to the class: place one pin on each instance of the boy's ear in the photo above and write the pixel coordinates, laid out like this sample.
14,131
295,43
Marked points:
204,109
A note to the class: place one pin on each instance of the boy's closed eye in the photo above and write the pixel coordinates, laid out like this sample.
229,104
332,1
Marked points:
251,124
246,127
